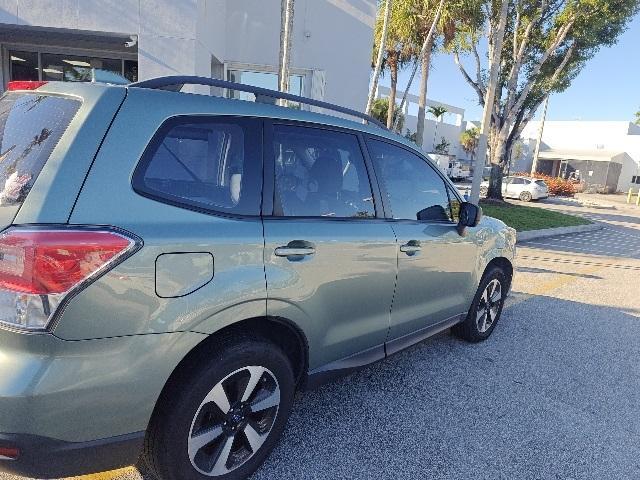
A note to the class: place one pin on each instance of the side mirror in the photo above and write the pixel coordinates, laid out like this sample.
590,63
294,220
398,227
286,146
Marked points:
470,216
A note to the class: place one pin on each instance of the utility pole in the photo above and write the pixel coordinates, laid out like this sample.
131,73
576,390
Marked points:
489,100
536,153
286,33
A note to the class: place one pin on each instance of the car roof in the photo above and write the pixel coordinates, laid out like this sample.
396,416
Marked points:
229,106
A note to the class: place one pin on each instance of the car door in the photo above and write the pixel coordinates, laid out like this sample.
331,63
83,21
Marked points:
435,263
515,187
330,258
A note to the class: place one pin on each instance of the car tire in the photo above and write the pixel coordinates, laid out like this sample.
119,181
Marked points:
526,196
484,191
223,414
483,316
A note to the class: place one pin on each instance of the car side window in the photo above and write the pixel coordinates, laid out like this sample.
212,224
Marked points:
412,187
517,181
320,173
454,205
213,164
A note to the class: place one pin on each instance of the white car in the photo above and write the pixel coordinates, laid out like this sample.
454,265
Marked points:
523,188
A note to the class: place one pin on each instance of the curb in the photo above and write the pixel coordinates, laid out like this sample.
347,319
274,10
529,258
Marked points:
552,232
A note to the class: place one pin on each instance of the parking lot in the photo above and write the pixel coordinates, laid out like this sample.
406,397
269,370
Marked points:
554,393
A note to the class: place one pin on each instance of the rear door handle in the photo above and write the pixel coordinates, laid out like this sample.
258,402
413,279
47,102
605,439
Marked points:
411,247
296,250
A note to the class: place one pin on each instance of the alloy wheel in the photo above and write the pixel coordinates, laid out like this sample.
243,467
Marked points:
489,305
233,421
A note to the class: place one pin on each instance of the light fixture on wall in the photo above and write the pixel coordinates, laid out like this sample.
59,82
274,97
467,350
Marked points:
133,41
77,63
17,59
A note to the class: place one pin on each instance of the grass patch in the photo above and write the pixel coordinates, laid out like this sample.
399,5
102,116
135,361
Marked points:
529,218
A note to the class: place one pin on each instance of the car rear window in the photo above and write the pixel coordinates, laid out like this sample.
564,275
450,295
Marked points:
541,183
30,127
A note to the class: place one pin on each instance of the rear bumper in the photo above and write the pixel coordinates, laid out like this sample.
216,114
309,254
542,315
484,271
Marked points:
59,398
44,457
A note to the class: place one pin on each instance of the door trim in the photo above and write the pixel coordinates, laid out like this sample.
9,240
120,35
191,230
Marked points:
338,368
400,343
344,366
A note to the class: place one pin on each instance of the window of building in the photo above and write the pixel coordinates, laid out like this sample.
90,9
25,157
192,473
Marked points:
23,65
413,188
262,79
210,164
320,173
67,68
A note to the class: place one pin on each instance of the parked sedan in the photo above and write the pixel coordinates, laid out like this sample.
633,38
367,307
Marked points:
525,189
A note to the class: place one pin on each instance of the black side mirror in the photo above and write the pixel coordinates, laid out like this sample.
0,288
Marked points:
470,216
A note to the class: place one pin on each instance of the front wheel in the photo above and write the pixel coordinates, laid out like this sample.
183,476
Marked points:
526,196
486,307
223,420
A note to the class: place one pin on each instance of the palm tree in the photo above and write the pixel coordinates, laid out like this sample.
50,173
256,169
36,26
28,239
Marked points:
380,110
454,16
378,65
638,117
469,141
401,46
427,46
438,111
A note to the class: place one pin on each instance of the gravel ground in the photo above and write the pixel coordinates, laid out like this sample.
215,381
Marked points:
554,393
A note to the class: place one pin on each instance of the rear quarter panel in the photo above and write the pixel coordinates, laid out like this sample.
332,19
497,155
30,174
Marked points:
125,301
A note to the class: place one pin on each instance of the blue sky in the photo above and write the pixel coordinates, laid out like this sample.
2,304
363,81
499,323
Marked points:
608,88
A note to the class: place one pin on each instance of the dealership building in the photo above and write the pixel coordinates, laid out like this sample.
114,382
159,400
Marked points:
236,40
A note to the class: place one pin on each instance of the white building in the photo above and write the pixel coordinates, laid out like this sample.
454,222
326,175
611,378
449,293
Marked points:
447,128
603,152
228,39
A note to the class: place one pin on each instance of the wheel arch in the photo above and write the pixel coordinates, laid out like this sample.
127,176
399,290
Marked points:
504,264
280,331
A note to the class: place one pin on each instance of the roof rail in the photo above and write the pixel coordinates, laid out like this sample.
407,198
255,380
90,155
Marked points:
263,95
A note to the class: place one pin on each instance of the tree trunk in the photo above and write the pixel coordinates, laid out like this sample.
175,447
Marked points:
286,34
422,99
378,67
498,156
393,68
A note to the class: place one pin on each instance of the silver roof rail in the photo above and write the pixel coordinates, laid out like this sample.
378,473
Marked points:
263,95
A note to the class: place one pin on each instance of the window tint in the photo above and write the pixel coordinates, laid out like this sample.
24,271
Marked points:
414,190
541,183
30,127
212,164
320,173
517,181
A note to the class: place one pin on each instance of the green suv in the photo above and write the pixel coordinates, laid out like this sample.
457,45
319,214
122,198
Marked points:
173,267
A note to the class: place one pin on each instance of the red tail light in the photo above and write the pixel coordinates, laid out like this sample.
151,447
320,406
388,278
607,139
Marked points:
39,267
9,453
24,85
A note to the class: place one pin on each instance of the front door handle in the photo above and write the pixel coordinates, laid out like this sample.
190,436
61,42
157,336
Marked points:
296,250
411,247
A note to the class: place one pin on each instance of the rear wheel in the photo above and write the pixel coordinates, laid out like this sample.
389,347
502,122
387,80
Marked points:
486,307
525,196
224,421
484,191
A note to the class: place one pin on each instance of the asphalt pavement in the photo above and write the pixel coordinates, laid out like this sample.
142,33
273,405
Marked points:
554,393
